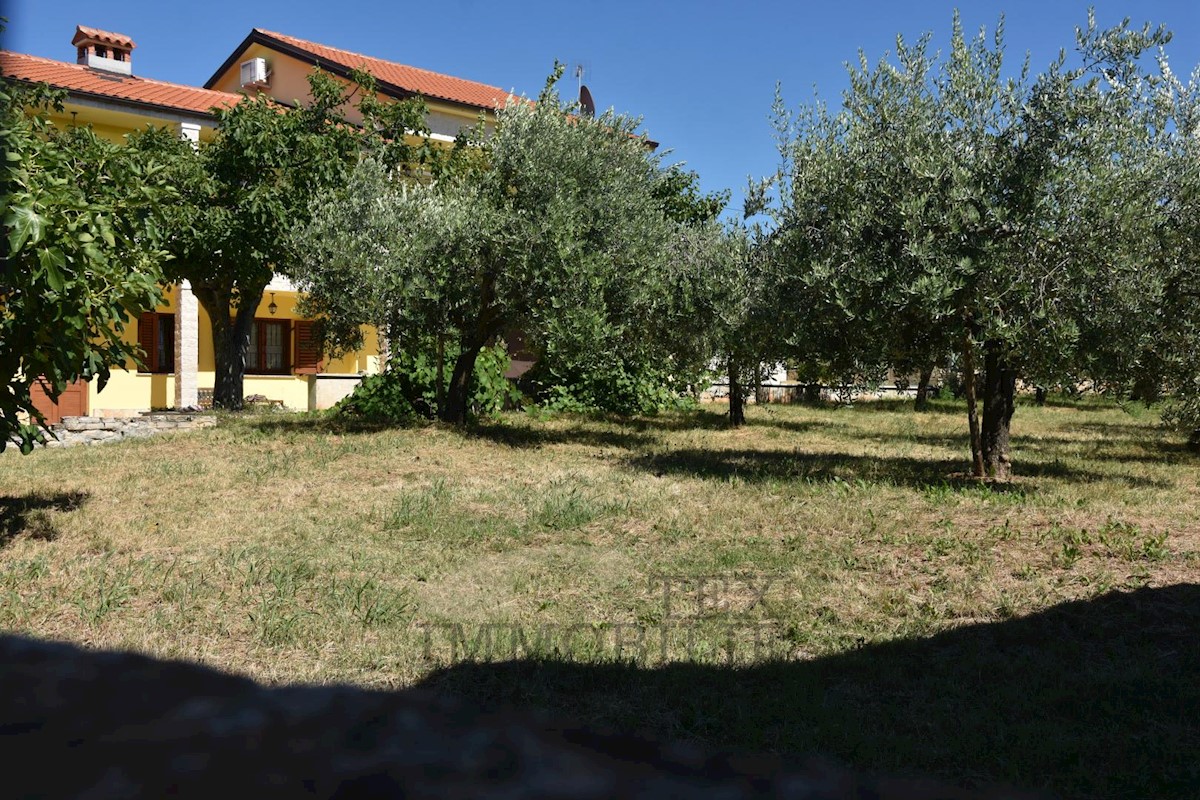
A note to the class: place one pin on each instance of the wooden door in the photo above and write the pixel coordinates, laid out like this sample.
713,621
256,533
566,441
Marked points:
73,402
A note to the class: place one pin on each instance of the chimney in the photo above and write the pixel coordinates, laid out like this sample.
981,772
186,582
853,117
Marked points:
103,50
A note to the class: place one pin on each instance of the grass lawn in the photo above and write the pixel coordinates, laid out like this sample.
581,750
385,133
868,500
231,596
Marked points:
822,580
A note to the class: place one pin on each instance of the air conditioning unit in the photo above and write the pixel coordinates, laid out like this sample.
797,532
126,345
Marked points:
254,72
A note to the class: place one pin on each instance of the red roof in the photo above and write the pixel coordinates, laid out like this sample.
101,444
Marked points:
88,81
407,79
83,32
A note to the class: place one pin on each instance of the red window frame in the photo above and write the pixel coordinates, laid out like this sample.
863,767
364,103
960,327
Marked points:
259,343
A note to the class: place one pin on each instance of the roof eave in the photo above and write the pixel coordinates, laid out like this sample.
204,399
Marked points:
120,101
249,40
258,37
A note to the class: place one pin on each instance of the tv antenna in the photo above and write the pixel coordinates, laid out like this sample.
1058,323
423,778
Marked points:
586,104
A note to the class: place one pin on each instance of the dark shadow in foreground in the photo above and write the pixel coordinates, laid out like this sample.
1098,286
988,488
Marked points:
133,726
1094,698
29,515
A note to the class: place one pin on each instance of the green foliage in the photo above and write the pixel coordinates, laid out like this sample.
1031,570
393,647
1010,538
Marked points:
82,254
1183,412
611,386
678,190
555,225
408,388
243,195
394,395
1177,323
946,207
945,200
491,392
657,364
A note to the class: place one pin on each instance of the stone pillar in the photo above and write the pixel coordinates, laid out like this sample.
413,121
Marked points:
382,338
187,346
191,132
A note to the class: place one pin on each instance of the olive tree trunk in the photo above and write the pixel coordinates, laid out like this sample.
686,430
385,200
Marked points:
440,386
999,392
458,393
231,338
922,401
737,398
968,385
486,325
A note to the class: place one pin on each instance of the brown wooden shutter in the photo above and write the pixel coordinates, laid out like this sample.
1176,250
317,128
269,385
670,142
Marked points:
147,340
308,348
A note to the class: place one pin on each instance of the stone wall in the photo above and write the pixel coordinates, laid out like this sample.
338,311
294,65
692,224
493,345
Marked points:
325,389
94,430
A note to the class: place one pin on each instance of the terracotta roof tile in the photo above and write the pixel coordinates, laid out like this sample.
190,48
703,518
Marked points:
410,79
119,39
78,78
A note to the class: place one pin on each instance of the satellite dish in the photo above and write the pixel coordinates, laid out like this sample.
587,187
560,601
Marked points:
586,102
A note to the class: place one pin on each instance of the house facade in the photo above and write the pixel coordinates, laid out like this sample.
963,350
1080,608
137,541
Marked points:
282,365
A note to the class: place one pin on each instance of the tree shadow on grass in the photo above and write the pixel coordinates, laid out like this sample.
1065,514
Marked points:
708,420
1119,430
1157,450
1153,446
892,405
322,424
1091,698
1167,453
631,433
1082,403
532,438
798,426
1109,448
29,514
774,465
699,419
502,433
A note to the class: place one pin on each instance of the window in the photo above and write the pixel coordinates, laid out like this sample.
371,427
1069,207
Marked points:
269,351
156,335
270,347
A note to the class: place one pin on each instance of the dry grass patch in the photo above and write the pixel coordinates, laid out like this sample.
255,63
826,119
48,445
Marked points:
295,548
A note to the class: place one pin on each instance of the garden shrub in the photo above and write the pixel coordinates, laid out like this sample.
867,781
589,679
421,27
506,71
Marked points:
407,388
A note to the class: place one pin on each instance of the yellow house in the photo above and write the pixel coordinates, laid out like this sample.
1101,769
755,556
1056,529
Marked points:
278,65
282,366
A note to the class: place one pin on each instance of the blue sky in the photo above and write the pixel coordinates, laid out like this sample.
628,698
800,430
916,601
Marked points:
701,74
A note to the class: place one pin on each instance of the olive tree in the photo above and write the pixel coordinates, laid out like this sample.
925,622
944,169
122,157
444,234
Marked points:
1177,322
645,358
550,224
947,204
